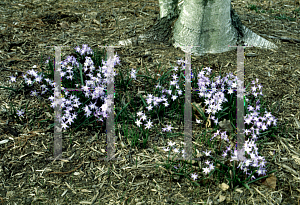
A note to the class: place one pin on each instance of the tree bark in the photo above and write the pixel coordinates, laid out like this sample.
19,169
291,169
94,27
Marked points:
210,24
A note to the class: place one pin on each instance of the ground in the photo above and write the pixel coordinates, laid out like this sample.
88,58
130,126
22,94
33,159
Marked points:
27,177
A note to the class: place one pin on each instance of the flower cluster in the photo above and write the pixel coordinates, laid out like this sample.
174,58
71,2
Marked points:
217,98
214,99
95,83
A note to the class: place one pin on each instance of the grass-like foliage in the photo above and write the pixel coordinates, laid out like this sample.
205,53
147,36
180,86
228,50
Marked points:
159,110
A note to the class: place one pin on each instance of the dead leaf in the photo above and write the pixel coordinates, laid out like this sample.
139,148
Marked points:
270,182
222,198
208,122
224,186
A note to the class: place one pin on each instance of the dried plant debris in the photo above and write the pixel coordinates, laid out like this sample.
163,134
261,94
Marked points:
82,176
54,18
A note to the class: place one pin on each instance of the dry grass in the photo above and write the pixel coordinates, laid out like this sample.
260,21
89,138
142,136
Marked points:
27,177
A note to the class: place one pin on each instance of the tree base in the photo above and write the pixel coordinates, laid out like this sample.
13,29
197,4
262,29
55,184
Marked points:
159,33
162,32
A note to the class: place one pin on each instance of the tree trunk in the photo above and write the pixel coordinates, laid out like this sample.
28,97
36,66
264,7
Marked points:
210,24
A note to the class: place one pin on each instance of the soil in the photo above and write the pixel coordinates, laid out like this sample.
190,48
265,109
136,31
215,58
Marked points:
27,177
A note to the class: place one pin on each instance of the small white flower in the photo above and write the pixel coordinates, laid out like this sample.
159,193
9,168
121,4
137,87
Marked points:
171,143
194,176
138,122
12,78
206,170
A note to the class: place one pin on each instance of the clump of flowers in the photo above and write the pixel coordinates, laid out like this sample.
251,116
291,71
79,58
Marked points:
94,87
218,95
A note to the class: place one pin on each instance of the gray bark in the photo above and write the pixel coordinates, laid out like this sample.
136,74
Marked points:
210,24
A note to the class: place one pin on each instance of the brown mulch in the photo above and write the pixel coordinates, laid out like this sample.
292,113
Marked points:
27,177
